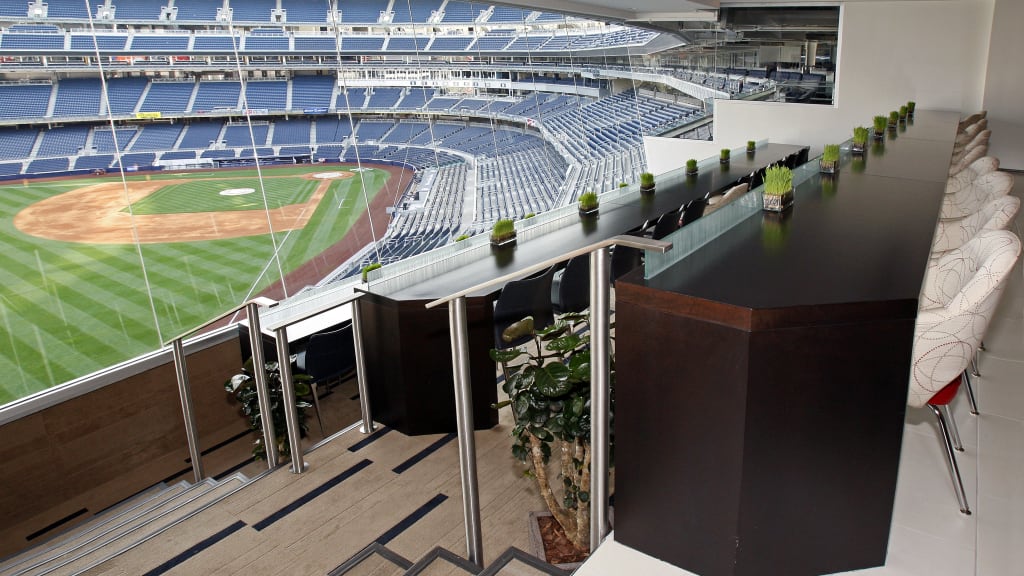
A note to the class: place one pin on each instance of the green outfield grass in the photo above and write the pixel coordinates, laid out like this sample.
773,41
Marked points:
69,309
205,196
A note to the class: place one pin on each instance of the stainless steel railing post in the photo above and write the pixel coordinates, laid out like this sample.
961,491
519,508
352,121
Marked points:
185,392
291,412
600,395
259,361
464,422
364,395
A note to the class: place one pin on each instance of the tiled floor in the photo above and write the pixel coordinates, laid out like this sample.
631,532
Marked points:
929,536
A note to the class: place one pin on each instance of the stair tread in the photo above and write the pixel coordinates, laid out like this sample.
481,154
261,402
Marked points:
132,531
135,504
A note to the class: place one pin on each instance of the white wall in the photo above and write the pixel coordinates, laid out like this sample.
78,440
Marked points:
1004,87
932,52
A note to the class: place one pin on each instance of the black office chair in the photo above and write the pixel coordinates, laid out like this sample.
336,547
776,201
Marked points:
667,224
692,211
757,178
530,296
328,357
570,286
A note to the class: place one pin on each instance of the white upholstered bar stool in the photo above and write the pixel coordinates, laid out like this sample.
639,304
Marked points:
958,166
959,297
963,200
955,232
972,171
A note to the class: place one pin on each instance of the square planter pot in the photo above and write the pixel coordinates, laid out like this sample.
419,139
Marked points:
778,202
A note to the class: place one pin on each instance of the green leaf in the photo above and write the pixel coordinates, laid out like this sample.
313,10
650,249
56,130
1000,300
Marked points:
565,343
302,389
553,331
518,329
502,356
520,406
576,406
552,380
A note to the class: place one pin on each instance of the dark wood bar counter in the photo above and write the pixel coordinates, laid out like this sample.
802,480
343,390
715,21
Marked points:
407,347
762,380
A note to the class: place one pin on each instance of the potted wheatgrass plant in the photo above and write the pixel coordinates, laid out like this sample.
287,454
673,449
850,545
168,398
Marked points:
910,108
646,183
691,167
894,119
829,163
903,113
369,268
751,146
588,204
879,124
778,188
860,140
723,156
503,233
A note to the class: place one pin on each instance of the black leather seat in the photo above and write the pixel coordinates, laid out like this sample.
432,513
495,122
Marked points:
329,356
570,287
530,296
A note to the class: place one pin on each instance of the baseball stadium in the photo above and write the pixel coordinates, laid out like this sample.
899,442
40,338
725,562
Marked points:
421,286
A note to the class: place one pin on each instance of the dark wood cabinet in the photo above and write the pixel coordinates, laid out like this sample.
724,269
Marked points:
761,382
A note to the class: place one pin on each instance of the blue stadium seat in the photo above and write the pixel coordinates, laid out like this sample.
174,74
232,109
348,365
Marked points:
167,97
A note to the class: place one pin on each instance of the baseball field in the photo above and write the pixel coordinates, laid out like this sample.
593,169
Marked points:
95,271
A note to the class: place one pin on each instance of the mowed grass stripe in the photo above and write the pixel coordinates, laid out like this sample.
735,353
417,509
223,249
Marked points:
190,197
101,290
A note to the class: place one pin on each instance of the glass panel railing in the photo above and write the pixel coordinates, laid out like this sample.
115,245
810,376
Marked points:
695,235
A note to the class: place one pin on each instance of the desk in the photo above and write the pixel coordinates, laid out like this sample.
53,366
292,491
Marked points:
762,381
408,349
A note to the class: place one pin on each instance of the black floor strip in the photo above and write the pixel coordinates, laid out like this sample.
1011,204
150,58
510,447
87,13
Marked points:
234,468
411,519
355,397
304,499
424,453
196,549
221,444
369,439
55,525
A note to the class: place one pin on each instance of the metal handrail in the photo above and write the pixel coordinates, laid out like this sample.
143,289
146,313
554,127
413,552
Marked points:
185,390
600,391
259,300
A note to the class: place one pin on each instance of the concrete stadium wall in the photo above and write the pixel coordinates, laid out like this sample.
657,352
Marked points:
932,52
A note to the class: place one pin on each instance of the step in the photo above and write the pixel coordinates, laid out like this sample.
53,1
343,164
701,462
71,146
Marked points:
442,562
144,500
84,554
374,560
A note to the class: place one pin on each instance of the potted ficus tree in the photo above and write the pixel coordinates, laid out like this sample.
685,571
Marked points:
691,167
646,183
829,162
243,387
860,140
778,188
879,124
723,156
588,204
548,386
503,233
